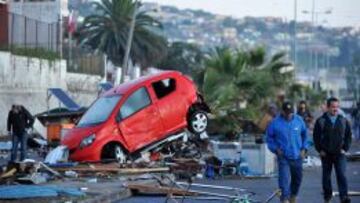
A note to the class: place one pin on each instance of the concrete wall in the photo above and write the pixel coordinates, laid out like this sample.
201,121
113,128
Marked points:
26,80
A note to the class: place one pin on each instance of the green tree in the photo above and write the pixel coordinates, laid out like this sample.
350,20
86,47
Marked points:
107,31
184,57
237,84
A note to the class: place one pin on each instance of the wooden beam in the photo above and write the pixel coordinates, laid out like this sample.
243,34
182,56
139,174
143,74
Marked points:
115,169
155,189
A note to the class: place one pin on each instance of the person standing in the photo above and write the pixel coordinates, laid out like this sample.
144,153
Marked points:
304,112
286,137
332,138
18,120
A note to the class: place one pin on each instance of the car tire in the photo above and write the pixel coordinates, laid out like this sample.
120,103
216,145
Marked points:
114,152
198,122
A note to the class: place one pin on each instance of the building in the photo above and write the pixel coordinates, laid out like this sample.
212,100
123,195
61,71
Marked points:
33,24
4,23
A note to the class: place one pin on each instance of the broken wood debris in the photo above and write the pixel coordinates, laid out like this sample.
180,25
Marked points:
114,169
157,189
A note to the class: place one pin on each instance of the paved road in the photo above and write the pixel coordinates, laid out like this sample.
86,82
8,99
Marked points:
310,190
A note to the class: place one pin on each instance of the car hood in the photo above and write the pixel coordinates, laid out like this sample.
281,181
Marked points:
73,137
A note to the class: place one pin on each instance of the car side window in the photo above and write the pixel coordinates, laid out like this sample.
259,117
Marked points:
135,102
164,87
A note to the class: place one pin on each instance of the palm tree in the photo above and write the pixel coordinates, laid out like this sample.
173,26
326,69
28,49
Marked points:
234,78
107,31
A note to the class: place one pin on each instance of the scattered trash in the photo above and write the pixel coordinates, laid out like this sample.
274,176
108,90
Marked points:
353,156
57,155
350,193
311,161
71,174
92,180
35,178
5,146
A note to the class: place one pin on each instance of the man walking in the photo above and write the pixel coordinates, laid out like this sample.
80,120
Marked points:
332,138
18,120
287,138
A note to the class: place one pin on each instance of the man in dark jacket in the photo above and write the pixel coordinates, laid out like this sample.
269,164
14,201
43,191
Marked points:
332,138
18,120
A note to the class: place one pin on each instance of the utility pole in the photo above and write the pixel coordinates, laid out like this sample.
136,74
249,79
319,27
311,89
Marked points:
295,48
128,44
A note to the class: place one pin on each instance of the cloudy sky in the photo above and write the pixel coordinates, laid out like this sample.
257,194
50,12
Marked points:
343,12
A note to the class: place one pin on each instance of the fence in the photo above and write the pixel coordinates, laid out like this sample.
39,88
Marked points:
27,36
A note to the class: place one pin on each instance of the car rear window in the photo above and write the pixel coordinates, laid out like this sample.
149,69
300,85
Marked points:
137,101
164,87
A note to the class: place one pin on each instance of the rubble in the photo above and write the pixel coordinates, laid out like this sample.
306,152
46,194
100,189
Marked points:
353,156
311,161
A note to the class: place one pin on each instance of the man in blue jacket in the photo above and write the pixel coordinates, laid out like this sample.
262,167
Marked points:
287,138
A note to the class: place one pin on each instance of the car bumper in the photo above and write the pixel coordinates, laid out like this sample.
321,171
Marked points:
88,153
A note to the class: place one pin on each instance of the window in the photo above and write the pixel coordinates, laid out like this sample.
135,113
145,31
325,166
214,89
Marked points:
164,87
99,111
137,101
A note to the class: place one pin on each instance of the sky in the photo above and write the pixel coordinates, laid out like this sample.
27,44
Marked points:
343,12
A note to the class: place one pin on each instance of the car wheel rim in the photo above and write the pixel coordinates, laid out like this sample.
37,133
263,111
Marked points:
199,122
119,155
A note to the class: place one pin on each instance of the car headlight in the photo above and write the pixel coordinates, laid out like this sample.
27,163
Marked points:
87,141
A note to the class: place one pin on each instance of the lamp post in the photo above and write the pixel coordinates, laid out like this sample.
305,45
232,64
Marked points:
314,18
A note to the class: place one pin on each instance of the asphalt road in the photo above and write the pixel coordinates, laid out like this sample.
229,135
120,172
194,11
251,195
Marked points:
310,189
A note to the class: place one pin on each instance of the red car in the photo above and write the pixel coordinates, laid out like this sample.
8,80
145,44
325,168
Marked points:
136,115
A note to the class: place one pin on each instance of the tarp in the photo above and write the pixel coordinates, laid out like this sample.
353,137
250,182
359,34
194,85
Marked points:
32,191
106,86
64,98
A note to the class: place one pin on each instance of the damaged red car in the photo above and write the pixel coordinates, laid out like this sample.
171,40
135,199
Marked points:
135,115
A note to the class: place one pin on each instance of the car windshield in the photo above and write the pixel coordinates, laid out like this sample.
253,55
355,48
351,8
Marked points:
99,111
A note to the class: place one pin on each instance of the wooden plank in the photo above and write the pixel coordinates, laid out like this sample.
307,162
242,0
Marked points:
115,170
9,173
155,189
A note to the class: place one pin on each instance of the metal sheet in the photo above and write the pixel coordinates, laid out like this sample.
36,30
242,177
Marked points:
64,98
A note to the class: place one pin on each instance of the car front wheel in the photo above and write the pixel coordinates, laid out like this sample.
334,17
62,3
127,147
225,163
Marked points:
198,122
114,151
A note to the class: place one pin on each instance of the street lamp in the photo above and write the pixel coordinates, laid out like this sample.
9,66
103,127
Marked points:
314,19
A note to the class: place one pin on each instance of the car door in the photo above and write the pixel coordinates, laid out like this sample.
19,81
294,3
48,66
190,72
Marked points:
140,122
170,103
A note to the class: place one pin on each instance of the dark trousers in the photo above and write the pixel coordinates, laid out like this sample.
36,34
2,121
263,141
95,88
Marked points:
16,138
290,176
339,163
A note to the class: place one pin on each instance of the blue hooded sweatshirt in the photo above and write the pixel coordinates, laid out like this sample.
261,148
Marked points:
288,136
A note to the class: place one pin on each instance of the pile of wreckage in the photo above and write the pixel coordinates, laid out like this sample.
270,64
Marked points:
63,180
52,174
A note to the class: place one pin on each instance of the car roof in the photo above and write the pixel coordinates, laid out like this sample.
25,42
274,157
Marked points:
134,84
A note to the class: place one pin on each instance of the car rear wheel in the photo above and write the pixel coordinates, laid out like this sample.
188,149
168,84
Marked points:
198,122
